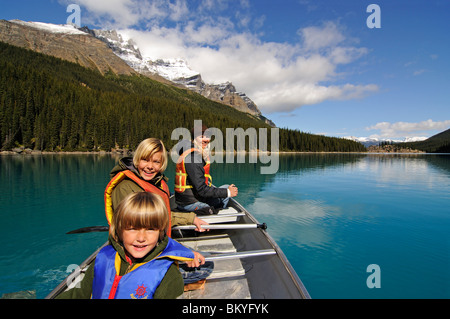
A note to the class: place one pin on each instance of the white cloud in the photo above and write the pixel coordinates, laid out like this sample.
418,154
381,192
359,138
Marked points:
112,12
216,40
419,72
434,56
127,13
315,38
407,129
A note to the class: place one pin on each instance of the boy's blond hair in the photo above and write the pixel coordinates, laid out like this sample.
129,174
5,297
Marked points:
147,148
140,210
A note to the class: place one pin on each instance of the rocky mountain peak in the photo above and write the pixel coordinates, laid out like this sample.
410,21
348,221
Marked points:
178,72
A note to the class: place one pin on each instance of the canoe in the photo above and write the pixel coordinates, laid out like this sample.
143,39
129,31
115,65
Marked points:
248,264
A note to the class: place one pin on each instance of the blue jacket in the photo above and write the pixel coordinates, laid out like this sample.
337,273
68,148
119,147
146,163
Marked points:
141,281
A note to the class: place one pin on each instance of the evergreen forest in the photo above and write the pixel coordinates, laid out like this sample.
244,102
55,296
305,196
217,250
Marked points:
50,104
439,143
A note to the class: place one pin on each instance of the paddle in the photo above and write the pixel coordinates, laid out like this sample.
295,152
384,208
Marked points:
91,229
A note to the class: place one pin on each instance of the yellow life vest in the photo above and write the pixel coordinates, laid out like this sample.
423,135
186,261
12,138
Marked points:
146,186
181,175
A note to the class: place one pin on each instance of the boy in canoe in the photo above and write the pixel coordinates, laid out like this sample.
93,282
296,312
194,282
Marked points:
141,260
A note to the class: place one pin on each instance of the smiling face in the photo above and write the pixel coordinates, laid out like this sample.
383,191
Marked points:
148,168
150,158
139,242
139,223
203,140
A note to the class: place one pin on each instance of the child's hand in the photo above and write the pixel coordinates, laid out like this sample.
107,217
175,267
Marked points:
198,222
198,260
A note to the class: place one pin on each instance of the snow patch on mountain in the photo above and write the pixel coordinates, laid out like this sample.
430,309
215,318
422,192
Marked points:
369,141
48,27
173,69
127,50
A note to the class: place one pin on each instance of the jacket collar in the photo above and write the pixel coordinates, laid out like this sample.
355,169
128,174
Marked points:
126,163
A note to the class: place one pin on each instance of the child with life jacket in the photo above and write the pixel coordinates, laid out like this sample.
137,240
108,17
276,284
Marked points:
145,172
141,260
145,169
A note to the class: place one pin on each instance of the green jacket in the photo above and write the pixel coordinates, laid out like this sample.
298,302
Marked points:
127,186
171,286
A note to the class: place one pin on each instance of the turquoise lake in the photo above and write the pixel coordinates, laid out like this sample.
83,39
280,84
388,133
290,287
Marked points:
332,214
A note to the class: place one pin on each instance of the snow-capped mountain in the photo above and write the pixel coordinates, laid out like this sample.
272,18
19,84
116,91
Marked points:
176,71
369,141
48,27
65,42
74,44
127,50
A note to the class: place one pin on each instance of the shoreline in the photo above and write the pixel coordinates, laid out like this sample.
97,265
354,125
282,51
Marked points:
34,153
128,152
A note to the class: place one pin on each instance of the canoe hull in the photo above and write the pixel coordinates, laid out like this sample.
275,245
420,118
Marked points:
269,276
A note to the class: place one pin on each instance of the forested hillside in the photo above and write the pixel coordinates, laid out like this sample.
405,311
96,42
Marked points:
439,143
50,104
297,141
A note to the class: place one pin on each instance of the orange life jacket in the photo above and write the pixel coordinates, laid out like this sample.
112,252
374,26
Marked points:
181,175
146,186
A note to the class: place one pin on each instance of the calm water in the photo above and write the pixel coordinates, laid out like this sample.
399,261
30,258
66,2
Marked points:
332,214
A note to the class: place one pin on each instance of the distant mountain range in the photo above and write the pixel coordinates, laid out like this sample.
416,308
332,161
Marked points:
370,141
176,71
439,143
119,56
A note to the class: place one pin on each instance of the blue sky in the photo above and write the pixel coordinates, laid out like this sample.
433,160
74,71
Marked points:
310,65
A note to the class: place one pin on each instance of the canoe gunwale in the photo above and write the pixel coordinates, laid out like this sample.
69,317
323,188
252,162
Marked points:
66,282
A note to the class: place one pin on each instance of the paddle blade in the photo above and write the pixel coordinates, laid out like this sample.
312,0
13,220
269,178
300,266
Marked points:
89,229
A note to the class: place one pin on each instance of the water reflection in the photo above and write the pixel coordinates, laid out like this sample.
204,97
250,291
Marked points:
297,221
409,172
333,218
